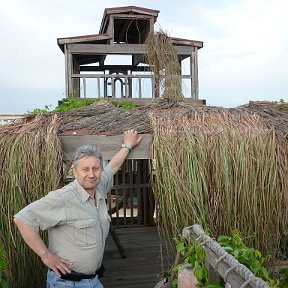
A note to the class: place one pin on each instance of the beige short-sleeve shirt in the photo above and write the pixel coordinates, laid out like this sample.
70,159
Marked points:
77,228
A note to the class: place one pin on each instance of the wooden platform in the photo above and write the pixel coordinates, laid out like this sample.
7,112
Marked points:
142,267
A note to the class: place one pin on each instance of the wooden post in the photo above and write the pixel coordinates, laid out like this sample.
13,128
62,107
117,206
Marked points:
84,87
140,87
98,87
110,29
194,74
67,75
113,87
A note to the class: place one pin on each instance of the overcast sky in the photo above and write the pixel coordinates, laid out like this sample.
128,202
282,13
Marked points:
244,58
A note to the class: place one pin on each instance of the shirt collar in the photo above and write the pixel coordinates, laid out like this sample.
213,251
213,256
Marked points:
85,195
82,193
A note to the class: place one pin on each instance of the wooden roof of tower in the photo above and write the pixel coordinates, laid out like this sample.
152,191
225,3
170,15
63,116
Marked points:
113,29
129,24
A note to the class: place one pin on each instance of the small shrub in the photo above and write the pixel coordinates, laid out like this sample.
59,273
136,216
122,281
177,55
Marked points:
3,265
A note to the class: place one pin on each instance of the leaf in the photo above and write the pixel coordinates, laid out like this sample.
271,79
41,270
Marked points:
223,238
200,272
228,249
175,283
3,283
180,246
200,255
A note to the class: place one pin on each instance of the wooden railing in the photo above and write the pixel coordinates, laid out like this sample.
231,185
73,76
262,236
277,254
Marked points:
131,86
220,263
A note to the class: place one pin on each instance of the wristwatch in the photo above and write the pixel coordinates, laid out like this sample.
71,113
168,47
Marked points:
126,146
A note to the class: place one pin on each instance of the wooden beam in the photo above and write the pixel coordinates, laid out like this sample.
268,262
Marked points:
109,145
85,38
120,49
115,67
67,83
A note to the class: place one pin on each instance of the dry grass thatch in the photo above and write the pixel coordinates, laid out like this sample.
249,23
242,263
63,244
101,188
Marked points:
163,58
30,165
224,171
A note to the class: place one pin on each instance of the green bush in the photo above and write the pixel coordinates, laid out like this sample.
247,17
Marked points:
66,104
3,265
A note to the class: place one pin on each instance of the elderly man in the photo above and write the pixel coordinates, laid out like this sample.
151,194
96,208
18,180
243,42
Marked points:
76,217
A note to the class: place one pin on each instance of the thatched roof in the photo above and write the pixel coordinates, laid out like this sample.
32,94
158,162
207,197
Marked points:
102,117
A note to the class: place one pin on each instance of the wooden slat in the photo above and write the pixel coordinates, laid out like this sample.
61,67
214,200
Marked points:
109,145
118,49
85,38
114,67
142,267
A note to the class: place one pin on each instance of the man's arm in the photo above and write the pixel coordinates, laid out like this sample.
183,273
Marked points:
34,241
132,139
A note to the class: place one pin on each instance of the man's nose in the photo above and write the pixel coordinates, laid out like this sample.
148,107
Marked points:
91,174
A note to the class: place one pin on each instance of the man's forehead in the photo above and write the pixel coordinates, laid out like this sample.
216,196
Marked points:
89,160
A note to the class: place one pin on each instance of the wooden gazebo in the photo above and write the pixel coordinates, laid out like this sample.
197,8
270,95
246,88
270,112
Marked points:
123,31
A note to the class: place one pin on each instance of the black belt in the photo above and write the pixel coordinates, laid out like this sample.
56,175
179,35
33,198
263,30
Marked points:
76,276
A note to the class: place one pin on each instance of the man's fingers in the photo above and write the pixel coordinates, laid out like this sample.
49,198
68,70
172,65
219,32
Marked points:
66,261
63,269
56,272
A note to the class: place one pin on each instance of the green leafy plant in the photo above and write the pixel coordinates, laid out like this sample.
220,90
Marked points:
67,104
46,109
194,255
124,105
282,105
283,278
250,257
3,265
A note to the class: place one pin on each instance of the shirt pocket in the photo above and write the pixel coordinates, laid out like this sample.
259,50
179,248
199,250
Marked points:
85,232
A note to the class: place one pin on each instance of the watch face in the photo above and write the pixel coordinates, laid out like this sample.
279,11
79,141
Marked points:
126,147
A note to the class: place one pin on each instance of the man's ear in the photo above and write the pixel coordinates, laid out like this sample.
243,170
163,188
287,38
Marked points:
73,170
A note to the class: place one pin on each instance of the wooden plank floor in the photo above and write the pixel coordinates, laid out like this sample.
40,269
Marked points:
142,267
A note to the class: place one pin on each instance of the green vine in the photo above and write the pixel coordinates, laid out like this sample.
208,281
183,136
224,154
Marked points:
193,255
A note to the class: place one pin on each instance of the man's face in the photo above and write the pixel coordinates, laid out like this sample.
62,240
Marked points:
88,173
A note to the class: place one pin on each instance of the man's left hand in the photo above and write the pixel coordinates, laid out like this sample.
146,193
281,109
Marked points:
132,138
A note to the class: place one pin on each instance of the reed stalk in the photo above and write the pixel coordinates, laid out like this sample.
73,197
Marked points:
224,172
30,166
163,60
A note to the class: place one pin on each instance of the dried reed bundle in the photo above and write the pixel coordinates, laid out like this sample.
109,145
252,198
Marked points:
224,172
30,166
165,66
